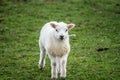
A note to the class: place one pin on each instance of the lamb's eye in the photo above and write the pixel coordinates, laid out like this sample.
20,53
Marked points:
56,30
66,30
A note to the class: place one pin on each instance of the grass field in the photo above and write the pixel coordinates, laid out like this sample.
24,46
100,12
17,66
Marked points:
97,26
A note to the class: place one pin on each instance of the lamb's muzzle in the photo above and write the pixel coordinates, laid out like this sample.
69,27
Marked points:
61,37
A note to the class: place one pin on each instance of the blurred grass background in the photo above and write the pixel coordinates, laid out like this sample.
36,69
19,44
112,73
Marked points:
97,26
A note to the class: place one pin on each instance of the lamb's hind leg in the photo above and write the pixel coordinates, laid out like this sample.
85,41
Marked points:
42,57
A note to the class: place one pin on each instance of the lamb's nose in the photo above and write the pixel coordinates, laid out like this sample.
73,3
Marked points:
61,37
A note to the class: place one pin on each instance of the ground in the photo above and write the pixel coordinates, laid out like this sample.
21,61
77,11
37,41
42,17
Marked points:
95,51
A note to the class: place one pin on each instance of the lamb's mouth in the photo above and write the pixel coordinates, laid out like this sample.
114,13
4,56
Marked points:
61,37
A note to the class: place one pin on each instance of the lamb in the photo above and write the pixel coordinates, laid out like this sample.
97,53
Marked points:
54,41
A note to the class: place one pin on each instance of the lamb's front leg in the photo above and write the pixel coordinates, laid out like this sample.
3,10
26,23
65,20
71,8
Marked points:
63,63
54,71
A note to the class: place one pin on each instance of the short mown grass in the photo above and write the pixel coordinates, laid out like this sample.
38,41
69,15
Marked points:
97,27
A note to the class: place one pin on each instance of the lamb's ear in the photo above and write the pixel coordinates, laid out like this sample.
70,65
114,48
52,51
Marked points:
70,26
53,25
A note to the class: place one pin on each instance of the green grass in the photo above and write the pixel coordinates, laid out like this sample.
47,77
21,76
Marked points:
97,25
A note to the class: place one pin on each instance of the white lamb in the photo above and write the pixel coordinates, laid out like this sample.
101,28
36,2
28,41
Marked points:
54,40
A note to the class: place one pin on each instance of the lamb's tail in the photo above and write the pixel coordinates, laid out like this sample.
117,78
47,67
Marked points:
74,35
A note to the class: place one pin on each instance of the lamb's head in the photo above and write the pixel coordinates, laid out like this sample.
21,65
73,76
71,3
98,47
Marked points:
61,30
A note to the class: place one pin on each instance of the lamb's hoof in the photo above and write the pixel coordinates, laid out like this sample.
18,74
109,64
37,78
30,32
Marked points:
40,67
54,79
62,78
